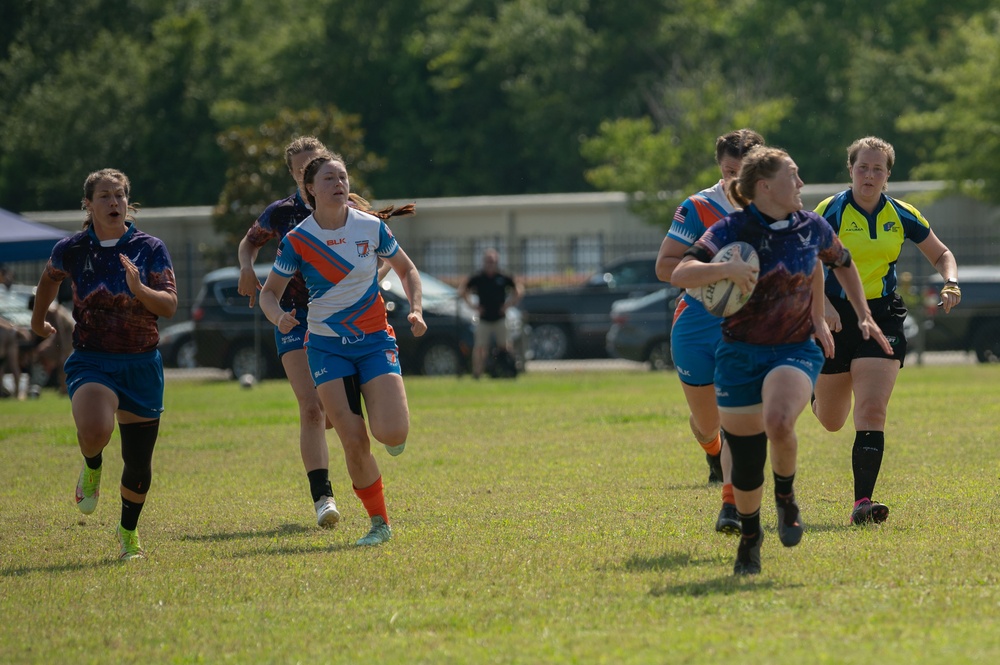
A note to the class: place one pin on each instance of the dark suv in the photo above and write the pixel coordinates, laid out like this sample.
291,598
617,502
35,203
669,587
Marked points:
973,325
230,335
574,322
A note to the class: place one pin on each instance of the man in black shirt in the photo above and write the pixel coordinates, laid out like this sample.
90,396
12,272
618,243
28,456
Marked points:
496,292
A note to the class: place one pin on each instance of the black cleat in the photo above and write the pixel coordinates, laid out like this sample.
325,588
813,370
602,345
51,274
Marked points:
748,555
867,511
729,520
714,467
789,522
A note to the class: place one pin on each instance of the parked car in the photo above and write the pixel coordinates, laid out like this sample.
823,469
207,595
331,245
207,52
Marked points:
177,345
229,335
574,322
972,326
640,328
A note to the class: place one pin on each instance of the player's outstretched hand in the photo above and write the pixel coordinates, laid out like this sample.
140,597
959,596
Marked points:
417,325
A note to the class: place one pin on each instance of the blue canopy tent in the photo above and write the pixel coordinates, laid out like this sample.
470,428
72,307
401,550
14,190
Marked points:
24,240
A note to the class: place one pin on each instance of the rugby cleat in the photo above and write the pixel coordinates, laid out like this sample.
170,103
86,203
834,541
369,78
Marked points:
327,514
88,489
714,467
130,548
748,555
729,520
789,522
379,533
867,511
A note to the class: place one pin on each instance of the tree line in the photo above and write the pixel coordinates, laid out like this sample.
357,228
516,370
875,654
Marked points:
195,100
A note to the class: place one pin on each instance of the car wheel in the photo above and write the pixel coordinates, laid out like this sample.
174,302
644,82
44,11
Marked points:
245,360
987,342
440,358
186,352
659,356
549,342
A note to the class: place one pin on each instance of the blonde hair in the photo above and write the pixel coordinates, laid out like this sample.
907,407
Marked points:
760,163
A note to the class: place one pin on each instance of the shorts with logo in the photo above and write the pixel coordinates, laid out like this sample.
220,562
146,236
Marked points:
740,369
694,336
369,355
889,313
136,378
294,339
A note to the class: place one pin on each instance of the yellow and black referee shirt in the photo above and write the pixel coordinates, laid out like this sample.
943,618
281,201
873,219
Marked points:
874,240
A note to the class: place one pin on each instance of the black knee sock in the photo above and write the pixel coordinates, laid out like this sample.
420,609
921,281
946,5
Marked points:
783,490
130,514
95,461
319,484
750,524
867,460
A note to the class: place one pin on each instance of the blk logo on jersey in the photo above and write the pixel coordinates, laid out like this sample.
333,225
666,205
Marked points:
336,241
364,248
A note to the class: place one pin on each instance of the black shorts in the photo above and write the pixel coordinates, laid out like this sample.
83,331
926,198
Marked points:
889,313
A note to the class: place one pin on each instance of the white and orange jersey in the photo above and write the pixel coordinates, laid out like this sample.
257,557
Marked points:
340,268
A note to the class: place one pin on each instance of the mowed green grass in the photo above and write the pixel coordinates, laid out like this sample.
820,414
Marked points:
562,517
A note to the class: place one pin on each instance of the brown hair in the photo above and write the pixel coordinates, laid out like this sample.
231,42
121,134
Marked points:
761,163
736,144
90,184
300,145
875,143
309,177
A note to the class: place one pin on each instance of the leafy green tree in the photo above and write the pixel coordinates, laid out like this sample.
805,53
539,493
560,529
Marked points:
962,134
257,174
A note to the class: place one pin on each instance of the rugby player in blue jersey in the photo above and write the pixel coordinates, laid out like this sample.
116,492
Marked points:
695,333
123,281
768,361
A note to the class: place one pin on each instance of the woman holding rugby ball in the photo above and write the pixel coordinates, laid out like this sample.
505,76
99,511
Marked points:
767,363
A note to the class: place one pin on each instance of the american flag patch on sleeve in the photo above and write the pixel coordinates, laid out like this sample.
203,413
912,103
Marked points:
680,215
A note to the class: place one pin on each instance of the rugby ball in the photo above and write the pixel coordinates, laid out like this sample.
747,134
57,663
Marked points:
723,298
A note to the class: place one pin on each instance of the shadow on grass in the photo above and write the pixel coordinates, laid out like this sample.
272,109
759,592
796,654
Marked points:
721,586
283,530
60,568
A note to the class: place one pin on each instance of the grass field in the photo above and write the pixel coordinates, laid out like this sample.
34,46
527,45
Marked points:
563,517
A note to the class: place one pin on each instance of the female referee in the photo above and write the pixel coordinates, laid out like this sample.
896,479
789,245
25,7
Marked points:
873,227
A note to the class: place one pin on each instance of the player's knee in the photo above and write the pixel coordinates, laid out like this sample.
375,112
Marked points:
311,413
749,456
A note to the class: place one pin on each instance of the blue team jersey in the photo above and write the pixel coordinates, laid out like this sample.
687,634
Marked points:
779,311
108,317
874,240
692,217
275,222
340,268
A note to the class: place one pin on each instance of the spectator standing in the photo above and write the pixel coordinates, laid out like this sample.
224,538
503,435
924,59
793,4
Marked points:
496,291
